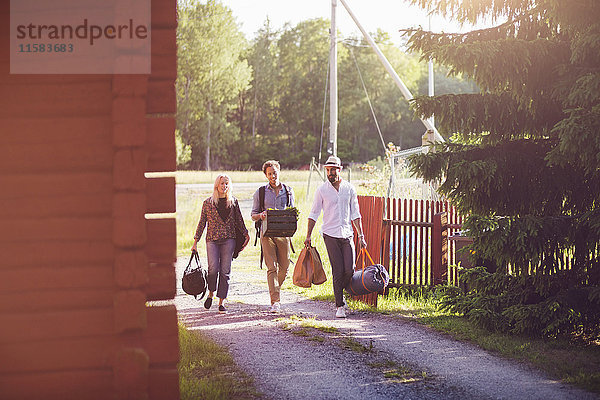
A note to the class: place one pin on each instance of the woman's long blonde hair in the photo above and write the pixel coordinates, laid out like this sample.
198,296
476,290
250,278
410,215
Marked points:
228,196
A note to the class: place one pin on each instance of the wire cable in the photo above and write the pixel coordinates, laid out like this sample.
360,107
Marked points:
324,109
368,100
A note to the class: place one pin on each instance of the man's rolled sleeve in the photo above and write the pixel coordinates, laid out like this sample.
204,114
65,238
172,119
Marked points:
317,206
354,208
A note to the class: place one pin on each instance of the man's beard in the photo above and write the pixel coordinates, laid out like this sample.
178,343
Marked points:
332,178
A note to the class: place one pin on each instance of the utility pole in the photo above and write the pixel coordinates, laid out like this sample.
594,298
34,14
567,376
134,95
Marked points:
333,95
390,70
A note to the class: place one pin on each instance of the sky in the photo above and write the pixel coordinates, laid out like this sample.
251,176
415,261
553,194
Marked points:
389,15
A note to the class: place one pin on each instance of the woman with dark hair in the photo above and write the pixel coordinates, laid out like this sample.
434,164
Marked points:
221,212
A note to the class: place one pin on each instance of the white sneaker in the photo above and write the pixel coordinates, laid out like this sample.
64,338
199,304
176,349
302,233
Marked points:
275,307
340,313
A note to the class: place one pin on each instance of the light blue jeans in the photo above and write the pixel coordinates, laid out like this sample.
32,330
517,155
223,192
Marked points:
219,254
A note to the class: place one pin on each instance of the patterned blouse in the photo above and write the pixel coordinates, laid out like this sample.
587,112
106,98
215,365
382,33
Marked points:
217,228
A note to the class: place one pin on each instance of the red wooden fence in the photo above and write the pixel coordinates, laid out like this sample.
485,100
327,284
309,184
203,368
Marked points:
412,239
371,210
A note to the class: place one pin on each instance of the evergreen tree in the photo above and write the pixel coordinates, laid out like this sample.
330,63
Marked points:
525,160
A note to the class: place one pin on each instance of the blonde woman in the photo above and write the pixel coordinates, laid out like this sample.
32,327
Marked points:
222,214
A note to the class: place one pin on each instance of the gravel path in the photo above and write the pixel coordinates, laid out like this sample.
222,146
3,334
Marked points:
396,358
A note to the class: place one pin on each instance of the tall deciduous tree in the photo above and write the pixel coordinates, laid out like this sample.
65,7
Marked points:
302,63
259,125
211,75
526,162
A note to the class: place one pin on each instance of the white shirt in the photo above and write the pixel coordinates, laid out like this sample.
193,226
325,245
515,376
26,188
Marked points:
339,208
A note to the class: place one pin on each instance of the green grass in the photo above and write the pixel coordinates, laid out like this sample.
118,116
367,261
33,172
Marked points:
400,373
573,362
354,345
309,328
207,371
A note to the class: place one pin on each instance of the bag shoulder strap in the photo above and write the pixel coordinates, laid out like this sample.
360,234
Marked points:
287,195
261,198
261,208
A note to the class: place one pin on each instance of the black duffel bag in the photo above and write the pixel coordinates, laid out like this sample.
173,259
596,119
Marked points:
368,279
194,281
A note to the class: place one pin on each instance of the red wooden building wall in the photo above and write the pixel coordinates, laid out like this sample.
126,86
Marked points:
78,258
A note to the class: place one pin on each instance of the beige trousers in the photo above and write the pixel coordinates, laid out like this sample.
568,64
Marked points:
276,254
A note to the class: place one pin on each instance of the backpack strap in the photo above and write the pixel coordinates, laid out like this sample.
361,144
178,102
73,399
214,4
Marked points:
261,197
258,224
261,208
288,198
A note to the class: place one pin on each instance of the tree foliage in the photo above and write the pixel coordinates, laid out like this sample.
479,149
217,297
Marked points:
211,74
524,162
267,97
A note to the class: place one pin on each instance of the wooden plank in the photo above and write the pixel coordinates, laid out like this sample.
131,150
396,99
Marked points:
411,244
403,235
161,96
160,144
129,85
35,253
131,269
372,226
53,277
58,99
129,205
439,260
76,229
129,165
26,327
164,66
129,232
131,133
129,311
72,129
428,235
56,355
162,284
422,279
53,300
93,384
42,157
395,261
160,195
163,384
20,186
50,79
161,246
164,41
67,205
128,108
164,14
160,340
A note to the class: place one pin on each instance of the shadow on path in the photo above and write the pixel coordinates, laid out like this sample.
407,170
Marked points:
288,366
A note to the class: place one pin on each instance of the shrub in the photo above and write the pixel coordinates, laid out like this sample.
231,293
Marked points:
537,305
